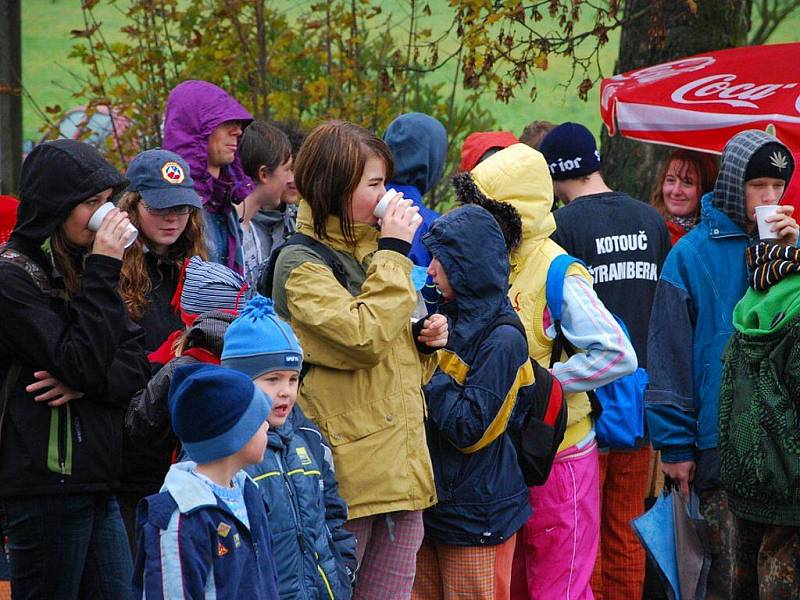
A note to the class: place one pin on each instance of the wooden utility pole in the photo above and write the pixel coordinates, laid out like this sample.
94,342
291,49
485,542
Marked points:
10,96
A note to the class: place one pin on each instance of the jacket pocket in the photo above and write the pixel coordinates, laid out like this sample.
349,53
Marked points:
59,445
363,421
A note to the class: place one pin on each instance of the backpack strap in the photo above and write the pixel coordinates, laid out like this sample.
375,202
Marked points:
554,296
327,255
40,278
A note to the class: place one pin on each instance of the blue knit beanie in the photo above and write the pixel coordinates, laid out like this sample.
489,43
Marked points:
570,151
258,342
215,411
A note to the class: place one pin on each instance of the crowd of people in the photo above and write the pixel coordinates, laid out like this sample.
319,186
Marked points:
243,383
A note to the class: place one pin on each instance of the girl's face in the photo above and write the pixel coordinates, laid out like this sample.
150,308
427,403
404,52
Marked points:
369,192
281,386
76,226
161,230
681,189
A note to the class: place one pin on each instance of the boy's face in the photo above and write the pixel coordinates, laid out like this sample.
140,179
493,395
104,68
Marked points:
762,191
436,271
272,186
253,451
282,388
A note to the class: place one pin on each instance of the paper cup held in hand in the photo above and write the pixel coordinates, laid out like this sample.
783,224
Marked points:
383,204
100,214
765,229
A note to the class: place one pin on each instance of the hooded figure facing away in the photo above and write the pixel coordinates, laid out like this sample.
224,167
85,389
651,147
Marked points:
203,124
70,359
556,554
419,146
470,534
703,278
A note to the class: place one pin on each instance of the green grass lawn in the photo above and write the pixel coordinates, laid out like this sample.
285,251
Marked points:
50,77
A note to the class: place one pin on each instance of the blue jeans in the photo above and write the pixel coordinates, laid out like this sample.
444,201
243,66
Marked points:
66,546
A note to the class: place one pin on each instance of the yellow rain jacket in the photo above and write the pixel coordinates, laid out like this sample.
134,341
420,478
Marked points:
519,176
364,385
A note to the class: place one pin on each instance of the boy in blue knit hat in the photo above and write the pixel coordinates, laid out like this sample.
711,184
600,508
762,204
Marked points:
315,554
207,534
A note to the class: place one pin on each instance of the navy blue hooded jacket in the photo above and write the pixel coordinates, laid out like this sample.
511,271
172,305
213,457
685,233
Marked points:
191,545
314,553
482,495
419,145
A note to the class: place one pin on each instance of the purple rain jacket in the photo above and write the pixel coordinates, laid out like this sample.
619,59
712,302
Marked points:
194,110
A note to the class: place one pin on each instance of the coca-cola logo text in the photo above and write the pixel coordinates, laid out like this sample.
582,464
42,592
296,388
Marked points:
722,89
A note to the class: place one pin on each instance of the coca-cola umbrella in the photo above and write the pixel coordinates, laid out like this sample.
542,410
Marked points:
700,102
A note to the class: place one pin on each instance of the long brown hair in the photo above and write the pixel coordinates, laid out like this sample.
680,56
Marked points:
688,160
329,167
68,259
134,280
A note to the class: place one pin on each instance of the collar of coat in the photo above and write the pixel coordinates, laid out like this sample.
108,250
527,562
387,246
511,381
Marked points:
366,241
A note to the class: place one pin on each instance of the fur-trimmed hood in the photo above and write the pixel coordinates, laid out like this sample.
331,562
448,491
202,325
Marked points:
515,186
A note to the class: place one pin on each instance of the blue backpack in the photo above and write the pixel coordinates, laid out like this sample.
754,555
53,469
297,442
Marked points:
617,407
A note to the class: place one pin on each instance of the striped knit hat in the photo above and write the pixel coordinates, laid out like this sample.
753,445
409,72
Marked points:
209,286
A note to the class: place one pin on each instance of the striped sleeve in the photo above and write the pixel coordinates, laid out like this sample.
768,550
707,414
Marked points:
179,562
587,324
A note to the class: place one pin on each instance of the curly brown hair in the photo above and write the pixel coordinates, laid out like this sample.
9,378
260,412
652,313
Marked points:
134,280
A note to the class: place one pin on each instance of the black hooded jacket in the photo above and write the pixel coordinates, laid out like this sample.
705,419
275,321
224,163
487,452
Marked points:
87,342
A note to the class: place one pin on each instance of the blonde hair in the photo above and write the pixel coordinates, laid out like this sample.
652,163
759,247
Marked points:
134,280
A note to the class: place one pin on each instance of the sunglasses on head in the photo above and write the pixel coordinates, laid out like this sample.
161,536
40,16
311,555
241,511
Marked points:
181,209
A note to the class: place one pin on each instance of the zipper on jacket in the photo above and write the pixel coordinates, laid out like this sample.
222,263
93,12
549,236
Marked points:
295,512
324,578
59,447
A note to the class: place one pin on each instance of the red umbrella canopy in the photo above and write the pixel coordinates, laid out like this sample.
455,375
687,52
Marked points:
700,102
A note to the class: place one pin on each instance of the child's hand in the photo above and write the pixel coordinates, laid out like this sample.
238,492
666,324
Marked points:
784,225
434,331
58,393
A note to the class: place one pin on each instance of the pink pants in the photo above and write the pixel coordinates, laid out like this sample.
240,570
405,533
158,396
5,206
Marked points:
557,547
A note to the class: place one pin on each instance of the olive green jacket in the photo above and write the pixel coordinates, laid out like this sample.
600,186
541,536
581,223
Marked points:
364,385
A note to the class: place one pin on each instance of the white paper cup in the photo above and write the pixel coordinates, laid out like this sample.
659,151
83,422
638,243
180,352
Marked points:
765,229
383,204
100,214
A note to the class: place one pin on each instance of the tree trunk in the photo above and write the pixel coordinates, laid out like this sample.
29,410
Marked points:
10,96
660,31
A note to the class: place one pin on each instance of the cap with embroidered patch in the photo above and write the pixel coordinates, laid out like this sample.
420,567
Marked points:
162,179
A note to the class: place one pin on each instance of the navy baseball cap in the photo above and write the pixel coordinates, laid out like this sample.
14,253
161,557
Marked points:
162,179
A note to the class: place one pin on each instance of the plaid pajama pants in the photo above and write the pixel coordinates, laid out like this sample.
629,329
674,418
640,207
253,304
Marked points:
386,548
446,572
